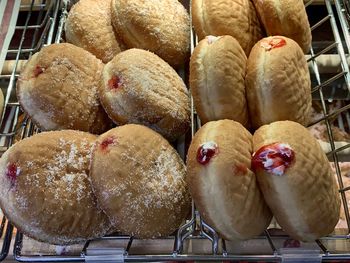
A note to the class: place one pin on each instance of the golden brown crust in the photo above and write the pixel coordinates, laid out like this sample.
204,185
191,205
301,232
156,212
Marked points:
147,91
278,83
45,188
217,72
58,89
236,18
286,18
89,26
225,189
304,199
143,189
162,27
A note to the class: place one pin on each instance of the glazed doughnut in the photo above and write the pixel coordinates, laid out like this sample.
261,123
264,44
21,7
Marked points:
278,82
236,18
217,72
45,188
162,27
222,183
58,89
296,180
143,189
89,26
286,18
139,87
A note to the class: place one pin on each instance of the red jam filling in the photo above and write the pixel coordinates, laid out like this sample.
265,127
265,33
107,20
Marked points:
291,243
12,172
272,43
206,152
106,143
274,158
114,83
240,169
38,70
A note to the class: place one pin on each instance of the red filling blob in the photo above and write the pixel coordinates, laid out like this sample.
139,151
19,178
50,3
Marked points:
114,83
291,243
274,158
274,42
241,169
38,70
205,152
12,172
106,143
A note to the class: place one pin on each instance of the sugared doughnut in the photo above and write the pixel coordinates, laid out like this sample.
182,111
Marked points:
45,188
236,18
58,89
162,27
217,72
89,26
139,181
139,87
222,183
296,179
286,18
278,82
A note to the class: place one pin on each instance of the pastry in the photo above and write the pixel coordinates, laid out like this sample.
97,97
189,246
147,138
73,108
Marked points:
221,181
139,181
45,188
139,87
296,180
89,26
217,72
58,89
278,82
227,17
162,27
286,18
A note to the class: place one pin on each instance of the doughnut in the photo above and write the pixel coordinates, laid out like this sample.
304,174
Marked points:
139,87
236,18
139,181
89,26
221,181
45,188
278,82
217,72
296,180
287,18
162,27
58,89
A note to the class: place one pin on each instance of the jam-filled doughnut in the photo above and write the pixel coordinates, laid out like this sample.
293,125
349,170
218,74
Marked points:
296,180
236,18
286,18
222,183
58,89
162,27
45,188
139,87
278,82
89,26
139,181
217,72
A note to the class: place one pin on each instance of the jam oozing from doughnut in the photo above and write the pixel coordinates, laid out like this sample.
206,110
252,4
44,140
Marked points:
240,169
291,243
38,70
274,158
114,83
106,143
206,152
12,172
274,42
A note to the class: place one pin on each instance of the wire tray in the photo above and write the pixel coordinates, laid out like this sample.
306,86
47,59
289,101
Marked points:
43,24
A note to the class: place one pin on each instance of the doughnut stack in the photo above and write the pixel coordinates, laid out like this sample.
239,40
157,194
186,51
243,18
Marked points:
110,103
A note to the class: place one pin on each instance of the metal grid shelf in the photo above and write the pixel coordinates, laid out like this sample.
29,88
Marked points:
44,23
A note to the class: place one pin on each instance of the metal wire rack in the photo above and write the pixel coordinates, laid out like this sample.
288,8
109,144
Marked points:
43,24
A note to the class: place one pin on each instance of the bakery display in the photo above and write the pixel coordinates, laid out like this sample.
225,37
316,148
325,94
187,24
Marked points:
139,87
278,82
236,18
162,27
89,26
217,72
58,89
296,180
222,183
45,188
139,181
287,18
